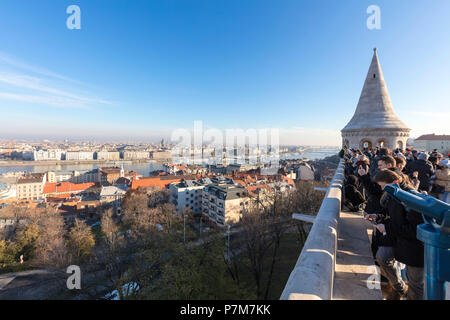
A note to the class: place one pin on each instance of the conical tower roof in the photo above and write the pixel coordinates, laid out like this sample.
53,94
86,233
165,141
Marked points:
374,110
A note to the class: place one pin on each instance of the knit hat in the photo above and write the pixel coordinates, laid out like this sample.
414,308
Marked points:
422,156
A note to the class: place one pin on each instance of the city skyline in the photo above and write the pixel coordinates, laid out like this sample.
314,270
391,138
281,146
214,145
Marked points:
138,74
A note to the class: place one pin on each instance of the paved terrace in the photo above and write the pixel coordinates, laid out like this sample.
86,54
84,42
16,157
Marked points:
336,262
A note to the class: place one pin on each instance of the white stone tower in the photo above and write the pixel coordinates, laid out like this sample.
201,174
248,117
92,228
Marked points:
375,122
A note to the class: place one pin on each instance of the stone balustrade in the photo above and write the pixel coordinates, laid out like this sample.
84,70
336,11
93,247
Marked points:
313,275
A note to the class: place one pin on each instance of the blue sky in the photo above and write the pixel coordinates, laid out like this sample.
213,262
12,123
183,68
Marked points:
139,69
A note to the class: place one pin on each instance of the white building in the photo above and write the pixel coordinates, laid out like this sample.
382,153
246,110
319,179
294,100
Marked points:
136,155
47,154
161,155
79,155
30,187
429,142
224,204
108,155
187,194
59,176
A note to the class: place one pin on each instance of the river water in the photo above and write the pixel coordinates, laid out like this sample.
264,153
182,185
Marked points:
145,168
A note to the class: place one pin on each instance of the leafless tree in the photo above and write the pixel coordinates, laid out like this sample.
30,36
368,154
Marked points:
80,241
51,250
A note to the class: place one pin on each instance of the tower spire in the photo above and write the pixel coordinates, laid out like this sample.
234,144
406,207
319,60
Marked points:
374,108
375,122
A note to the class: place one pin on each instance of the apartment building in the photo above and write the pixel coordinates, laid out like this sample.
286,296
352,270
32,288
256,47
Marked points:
86,176
47,154
79,155
224,204
429,142
161,155
108,176
135,155
31,186
59,176
108,155
82,176
187,195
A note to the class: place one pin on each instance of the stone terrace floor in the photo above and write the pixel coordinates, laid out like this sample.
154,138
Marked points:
356,277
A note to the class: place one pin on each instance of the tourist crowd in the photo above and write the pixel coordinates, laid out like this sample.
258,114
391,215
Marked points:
394,242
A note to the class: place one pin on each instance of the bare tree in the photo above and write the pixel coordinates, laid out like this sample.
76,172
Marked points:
51,249
257,244
80,241
110,231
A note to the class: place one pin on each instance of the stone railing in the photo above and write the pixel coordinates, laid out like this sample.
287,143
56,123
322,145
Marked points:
313,274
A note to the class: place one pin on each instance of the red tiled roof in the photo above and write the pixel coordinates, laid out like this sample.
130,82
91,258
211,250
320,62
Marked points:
434,137
65,187
241,182
160,182
253,190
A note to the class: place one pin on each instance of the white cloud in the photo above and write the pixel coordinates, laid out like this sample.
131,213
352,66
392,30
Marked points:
16,63
42,89
37,84
53,101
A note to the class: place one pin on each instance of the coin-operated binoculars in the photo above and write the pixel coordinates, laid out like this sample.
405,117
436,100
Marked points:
434,233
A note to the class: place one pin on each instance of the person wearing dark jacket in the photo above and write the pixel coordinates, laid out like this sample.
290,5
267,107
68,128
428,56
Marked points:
353,198
362,161
373,194
425,171
400,232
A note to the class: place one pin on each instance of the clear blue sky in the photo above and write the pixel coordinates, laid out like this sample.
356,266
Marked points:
140,68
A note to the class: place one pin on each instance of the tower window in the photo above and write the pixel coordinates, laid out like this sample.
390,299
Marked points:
374,75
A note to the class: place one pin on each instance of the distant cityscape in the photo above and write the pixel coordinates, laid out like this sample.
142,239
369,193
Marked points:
94,174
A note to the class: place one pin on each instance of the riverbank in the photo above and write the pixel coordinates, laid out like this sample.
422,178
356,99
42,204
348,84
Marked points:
75,162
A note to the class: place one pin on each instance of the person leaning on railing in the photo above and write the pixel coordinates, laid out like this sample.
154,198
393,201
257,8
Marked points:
400,231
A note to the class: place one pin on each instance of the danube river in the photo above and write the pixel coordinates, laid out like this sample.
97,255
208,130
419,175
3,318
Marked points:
145,168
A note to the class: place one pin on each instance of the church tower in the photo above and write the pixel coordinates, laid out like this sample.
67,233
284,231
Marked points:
375,122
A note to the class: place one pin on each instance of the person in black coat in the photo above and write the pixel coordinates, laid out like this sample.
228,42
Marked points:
400,231
353,198
424,169
373,195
